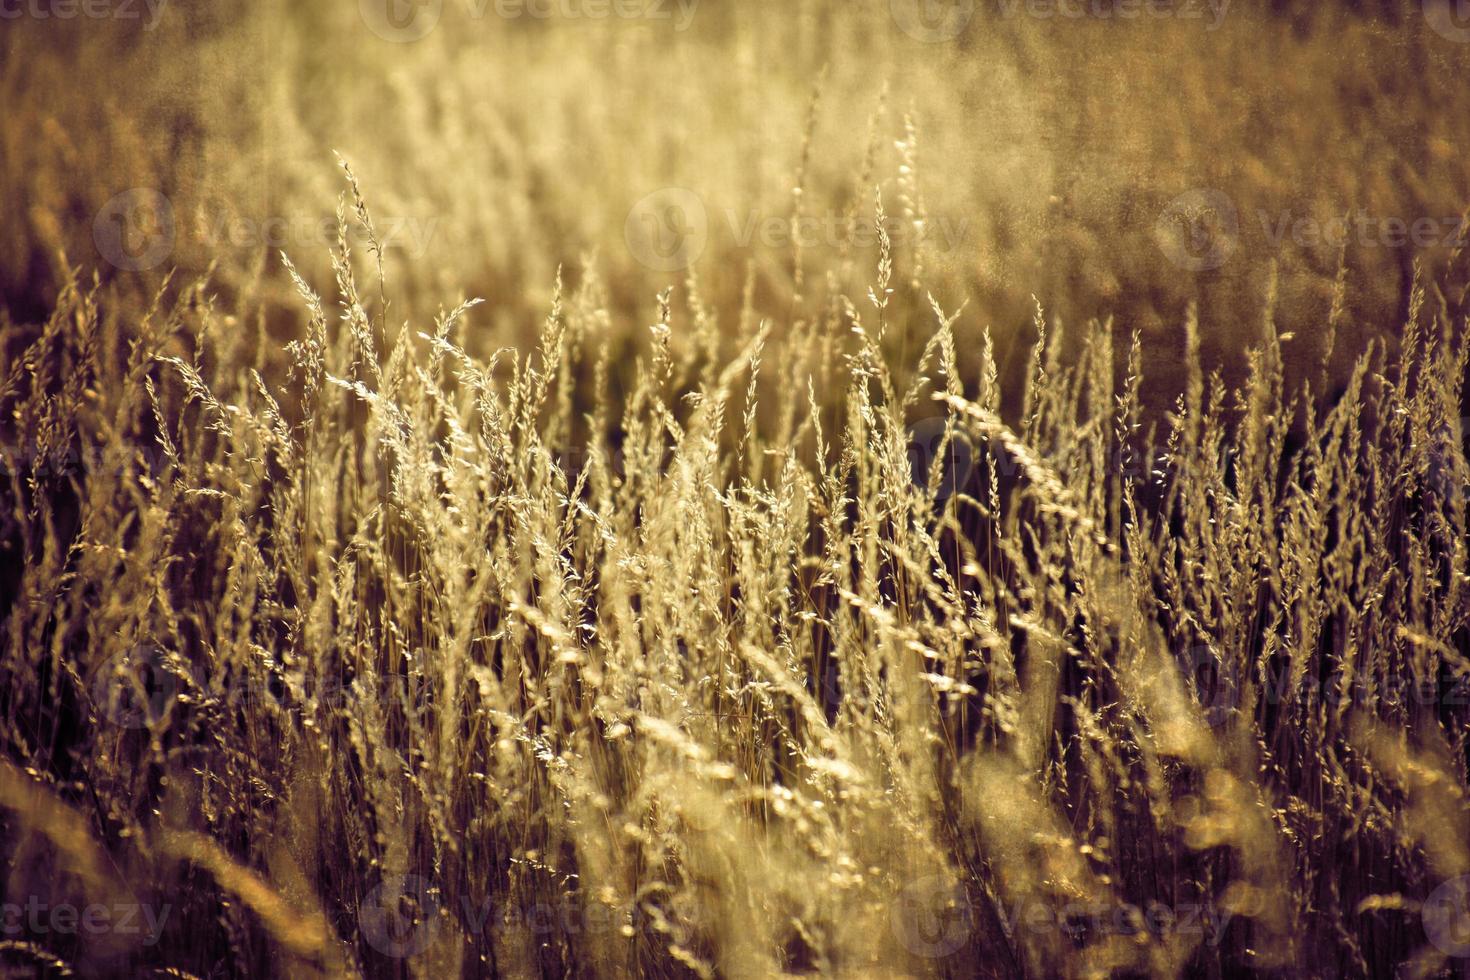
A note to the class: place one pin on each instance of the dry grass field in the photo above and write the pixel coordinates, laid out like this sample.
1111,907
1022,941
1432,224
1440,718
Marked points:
678,488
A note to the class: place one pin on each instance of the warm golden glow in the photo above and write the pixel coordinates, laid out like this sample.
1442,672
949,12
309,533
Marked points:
673,488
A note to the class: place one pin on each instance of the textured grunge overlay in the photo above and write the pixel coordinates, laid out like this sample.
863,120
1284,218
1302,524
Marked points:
698,489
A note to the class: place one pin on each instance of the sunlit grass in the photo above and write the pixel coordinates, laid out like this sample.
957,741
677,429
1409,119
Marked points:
509,604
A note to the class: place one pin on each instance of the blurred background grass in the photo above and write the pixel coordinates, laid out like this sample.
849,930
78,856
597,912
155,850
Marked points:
1046,153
